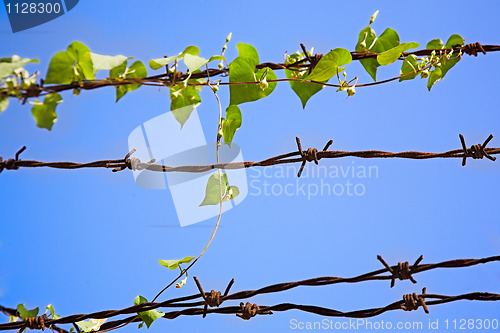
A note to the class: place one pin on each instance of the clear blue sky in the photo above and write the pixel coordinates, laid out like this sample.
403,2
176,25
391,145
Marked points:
89,240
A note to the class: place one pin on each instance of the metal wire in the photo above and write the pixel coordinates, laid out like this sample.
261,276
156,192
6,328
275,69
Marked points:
245,311
312,154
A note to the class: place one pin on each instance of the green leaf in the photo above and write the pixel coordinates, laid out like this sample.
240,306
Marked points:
247,50
173,264
71,65
183,101
81,54
304,90
454,40
242,69
137,70
61,69
232,123
52,312
10,65
45,114
329,64
147,316
384,42
434,76
410,65
183,114
4,103
216,57
192,50
86,326
194,62
160,62
24,313
212,192
435,44
101,62
391,55
118,71
446,64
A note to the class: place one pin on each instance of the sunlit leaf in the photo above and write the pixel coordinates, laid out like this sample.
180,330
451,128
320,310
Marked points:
454,40
216,57
434,76
410,65
45,113
71,65
101,62
435,44
137,70
231,123
173,264
194,62
329,64
25,313
160,62
213,189
183,101
368,40
242,69
247,50
52,312
10,65
391,55
148,316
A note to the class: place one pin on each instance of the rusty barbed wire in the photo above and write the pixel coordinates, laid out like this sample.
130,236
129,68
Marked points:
311,154
214,299
167,79
246,311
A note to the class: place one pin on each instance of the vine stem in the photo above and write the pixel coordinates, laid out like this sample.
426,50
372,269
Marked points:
220,205
183,271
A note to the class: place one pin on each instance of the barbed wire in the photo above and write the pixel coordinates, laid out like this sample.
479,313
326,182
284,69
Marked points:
214,299
167,79
477,151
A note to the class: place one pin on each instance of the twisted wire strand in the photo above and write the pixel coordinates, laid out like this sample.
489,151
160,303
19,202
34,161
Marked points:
191,308
303,156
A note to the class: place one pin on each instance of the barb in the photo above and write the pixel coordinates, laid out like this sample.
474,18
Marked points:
403,271
312,154
191,308
168,79
214,298
413,301
475,151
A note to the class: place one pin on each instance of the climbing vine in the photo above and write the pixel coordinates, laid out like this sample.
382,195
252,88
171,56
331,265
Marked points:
78,69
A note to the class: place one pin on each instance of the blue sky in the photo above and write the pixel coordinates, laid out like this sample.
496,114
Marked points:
89,240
